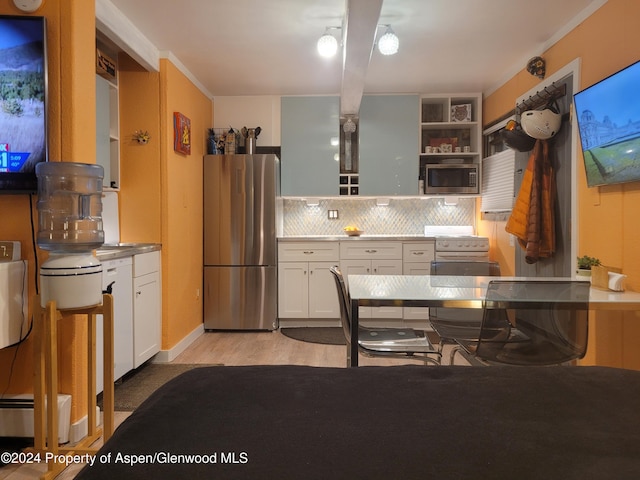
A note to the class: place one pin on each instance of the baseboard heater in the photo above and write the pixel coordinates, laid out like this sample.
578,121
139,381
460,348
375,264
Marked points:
17,419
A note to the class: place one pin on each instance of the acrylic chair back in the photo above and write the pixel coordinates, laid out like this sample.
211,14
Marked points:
345,302
546,322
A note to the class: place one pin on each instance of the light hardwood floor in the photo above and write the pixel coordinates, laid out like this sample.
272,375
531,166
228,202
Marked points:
232,349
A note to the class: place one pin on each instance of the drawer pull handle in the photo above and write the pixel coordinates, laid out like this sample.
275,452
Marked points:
371,251
308,252
418,253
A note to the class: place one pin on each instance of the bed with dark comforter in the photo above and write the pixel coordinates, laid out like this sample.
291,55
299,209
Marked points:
405,422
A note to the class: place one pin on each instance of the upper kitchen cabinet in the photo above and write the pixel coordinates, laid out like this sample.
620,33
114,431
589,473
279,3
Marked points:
310,132
108,123
451,128
389,144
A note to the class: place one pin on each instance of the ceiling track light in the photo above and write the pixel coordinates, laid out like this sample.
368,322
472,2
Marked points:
388,42
328,44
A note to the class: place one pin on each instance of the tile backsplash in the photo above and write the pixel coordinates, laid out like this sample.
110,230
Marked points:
402,216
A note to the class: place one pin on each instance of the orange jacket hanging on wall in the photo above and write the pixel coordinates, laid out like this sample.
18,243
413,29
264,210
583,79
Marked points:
532,218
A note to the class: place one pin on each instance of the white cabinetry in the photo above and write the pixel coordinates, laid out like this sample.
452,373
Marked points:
147,321
108,131
372,258
306,288
117,274
416,260
449,122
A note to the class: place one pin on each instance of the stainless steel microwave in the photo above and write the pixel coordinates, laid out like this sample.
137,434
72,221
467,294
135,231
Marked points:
452,178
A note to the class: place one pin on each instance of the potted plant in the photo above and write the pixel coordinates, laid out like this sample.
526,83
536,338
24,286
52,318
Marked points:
585,263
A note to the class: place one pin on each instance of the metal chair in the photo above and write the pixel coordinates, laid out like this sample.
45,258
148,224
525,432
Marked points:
530,322
383,342
453,324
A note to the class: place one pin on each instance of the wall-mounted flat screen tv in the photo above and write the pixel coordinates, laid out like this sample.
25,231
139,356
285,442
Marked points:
23,89
608,116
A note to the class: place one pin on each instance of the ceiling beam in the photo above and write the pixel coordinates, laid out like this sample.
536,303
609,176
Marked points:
359,36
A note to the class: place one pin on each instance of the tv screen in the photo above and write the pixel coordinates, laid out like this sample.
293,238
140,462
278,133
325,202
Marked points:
23,82
608,116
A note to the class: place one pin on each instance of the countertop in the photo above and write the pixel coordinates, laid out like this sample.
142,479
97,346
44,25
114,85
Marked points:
120,250
345,237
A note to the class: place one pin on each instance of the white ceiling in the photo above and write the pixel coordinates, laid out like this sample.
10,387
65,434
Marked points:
268,47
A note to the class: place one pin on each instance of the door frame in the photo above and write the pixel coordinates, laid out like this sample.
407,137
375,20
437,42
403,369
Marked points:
572,68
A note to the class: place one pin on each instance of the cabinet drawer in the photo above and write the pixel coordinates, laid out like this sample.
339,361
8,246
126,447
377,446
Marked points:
308,252
145,263
361,250
418,252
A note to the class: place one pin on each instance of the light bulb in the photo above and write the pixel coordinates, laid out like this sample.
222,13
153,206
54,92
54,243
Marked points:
388,43
327,45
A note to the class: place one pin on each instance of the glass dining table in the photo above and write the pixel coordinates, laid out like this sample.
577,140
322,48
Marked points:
452,292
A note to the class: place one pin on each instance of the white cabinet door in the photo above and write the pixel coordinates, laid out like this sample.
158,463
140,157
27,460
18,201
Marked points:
306,288
416,313
147,335
293,290
417,259
386,267
356,267
373,267
323,294
117,273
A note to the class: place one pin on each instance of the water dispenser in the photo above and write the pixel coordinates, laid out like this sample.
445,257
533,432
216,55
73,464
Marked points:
70,228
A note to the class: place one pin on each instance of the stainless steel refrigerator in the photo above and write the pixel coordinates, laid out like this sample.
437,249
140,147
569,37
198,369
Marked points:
240,270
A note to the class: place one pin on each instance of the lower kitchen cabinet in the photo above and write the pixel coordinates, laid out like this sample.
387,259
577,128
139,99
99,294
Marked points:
117,277
137,322
416,260
147,321
374,267
306,288
372,258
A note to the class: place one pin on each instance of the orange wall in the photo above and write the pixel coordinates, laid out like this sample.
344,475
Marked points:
140,165
607,216
71,136
182,257
161,190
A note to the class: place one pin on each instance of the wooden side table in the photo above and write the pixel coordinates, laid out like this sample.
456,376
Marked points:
46,380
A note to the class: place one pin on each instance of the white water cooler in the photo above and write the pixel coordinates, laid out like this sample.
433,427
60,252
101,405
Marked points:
70,228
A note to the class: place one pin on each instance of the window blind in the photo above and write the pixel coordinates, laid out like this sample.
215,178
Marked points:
497,181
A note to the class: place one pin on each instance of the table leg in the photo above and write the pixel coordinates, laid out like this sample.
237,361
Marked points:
353,358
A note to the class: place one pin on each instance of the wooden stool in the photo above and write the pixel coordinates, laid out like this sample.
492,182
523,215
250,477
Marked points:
46,380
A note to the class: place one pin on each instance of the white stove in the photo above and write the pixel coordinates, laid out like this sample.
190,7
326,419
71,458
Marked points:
457,242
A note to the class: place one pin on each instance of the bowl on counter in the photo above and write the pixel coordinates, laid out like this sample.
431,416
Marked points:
354,233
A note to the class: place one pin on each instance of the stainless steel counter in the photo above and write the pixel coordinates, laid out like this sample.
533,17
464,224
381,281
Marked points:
342,238
120,250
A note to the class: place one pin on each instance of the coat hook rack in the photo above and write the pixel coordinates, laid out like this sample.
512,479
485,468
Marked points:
543,97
